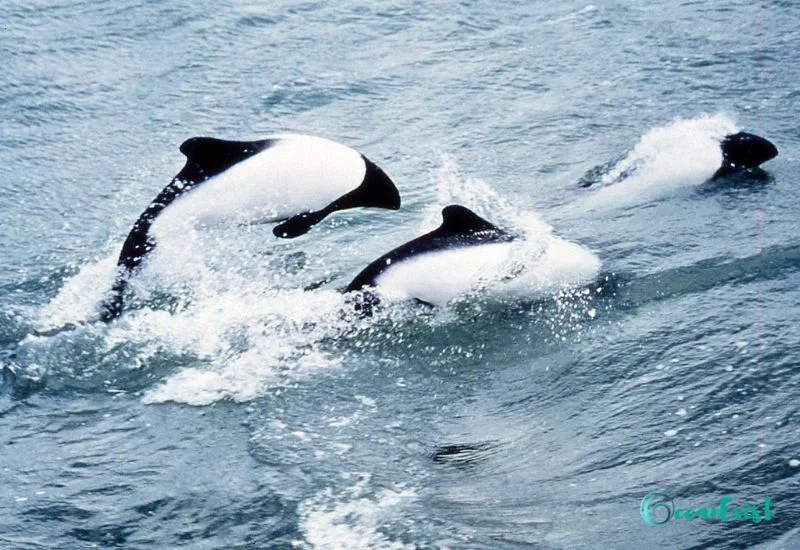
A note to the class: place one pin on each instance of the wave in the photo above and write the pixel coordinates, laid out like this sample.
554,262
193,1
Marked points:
352,520
221,313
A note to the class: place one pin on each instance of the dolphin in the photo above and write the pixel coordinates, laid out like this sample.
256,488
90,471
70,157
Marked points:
741,152
293,179
462,252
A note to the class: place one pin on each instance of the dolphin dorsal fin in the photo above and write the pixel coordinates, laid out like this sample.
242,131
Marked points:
459,219
207,157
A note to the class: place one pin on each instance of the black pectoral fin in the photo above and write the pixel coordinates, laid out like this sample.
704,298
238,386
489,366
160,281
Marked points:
299,224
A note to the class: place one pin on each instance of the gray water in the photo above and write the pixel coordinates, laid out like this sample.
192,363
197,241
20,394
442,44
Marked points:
228,408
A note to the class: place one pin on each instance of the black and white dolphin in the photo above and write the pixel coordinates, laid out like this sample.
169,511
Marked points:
466,250
290,178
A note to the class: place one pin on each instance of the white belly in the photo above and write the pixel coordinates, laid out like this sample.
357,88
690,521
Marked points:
561,265
439,276
502,270
294,175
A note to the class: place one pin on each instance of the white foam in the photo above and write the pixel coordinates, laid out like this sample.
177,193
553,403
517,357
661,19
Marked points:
77,300
534,264
251,342
681,154
452,186
591,8
329,522
227,302
244,333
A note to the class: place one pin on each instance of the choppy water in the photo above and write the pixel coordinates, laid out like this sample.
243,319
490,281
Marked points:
232,409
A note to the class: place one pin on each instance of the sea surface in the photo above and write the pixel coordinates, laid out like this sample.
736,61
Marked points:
231,408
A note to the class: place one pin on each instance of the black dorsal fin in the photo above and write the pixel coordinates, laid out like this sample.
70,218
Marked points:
207,157
459,219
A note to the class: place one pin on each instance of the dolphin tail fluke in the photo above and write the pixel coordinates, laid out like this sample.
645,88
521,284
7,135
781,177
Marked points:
377,190
111,307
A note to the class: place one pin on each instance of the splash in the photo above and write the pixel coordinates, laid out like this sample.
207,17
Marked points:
214,316
452,186
540,263
352,520
682,154
77,300
220,313
247,342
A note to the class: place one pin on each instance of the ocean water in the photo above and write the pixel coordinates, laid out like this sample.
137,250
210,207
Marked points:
231,408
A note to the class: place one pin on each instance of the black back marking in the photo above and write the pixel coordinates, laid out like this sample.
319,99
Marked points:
207,157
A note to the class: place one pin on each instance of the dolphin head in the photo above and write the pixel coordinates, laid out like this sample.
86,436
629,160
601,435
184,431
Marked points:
742,151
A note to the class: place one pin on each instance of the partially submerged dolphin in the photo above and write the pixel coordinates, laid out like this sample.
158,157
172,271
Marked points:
464,250
290,178
741,152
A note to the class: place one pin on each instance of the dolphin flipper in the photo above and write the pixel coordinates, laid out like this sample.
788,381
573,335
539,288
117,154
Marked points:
376,190
299,224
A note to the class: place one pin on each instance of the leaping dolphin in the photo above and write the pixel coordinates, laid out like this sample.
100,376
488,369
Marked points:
290,178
